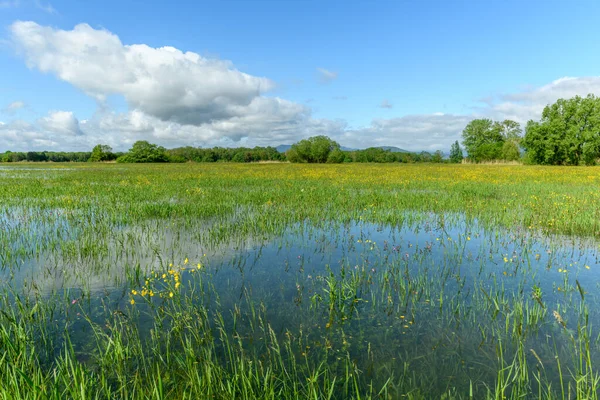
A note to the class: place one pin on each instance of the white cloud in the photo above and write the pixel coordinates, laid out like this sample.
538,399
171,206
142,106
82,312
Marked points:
326,76
412,132
23,136
13,107
180,98
272,121
266,122
61,123
530,102
386,104
162,82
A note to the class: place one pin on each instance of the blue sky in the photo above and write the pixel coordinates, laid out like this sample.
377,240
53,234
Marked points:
409,74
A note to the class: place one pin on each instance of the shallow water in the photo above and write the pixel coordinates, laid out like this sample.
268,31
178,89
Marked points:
430,303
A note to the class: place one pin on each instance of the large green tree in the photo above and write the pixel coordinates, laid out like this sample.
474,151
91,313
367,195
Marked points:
101,152
144,152
312,150
485,139
482,140
568,133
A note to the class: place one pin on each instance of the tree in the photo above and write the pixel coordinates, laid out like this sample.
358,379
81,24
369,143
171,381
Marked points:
7,156
424,156
456,154
144,152
483,139
312,150
510,151
568,133
509,130
337,156
512,134
101,152
437,157
36,156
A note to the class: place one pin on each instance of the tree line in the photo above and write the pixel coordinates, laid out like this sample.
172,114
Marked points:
145,152
567,134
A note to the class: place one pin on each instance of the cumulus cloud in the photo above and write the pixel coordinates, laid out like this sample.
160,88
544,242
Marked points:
412,132
267,122
530,102
386,104
272,121
165,82
178,98
61,123
326,76
22,136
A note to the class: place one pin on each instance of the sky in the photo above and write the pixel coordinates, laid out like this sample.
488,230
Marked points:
235,73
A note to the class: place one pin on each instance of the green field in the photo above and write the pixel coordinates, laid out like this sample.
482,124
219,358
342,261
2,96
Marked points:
299,281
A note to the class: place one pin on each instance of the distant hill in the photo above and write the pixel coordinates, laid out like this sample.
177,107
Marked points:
282,148
393,149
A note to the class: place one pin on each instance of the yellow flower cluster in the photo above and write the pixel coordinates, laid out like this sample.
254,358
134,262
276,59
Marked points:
170,280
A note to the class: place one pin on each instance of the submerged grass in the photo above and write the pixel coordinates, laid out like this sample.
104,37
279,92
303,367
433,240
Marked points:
299,281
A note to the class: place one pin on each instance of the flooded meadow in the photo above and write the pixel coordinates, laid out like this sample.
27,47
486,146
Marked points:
295,281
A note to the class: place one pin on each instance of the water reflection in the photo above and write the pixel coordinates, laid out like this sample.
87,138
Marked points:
429,297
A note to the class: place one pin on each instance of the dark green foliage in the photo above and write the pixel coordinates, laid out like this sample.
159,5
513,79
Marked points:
42,156
220,154
102,152
144,152
437,157
312,150
568,133
375,154
510,151
424,156
456,154
484,139
336,157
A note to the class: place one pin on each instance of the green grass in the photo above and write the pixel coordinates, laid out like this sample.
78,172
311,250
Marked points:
303,281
